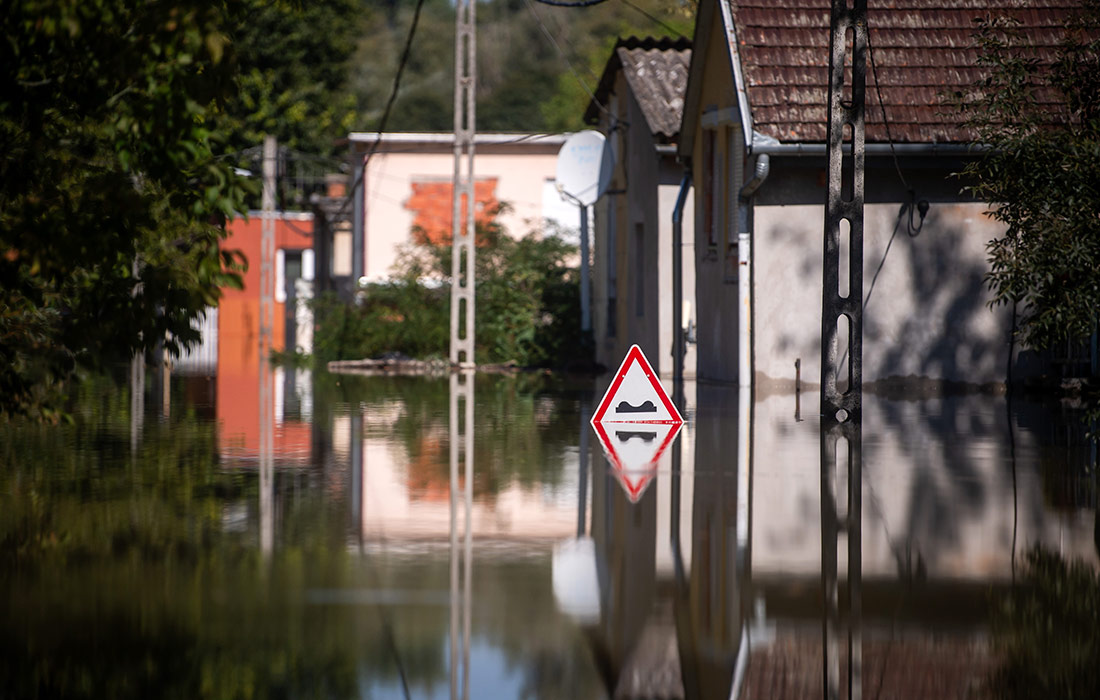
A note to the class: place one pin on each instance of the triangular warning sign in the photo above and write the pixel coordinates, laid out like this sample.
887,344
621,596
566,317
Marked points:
634,450
636,422
635,395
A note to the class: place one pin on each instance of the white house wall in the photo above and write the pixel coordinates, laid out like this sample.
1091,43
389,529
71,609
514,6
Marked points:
643,193
521,183
926,313
667,193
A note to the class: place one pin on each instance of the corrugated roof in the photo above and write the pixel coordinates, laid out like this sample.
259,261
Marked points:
922,49
656,71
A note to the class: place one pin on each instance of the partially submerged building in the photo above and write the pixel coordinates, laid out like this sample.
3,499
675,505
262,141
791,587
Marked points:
638,106
404,195
754,132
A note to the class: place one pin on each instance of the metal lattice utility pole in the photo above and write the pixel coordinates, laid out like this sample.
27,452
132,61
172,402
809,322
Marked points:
462,228
267,320
842,320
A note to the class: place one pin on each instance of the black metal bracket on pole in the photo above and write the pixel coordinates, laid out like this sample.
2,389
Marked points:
842,322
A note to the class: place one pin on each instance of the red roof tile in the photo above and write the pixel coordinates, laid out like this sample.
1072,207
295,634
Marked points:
922,49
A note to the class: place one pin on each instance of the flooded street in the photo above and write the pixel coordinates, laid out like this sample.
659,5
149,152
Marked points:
152,554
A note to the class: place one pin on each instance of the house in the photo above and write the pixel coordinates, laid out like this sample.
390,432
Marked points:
754,132
638,106
406,192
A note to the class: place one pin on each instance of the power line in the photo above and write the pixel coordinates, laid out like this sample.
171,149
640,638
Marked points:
389,106
557,47
651,18
882,108
579,3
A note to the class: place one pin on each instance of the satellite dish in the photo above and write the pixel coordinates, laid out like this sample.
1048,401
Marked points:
584,168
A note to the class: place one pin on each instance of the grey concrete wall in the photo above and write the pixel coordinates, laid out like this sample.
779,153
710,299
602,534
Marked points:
926,311
667,192
638,209
715,284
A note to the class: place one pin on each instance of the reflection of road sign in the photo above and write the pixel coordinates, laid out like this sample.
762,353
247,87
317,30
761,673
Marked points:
634,453
636,422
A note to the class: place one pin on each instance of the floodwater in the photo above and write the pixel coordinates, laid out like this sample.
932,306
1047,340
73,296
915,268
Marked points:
154,549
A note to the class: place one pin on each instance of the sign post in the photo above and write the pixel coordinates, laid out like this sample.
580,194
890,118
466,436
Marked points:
636,421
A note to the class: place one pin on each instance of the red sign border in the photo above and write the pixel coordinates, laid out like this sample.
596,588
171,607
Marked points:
635,354
635,493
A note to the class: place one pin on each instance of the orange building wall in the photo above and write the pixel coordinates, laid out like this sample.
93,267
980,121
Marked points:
238,402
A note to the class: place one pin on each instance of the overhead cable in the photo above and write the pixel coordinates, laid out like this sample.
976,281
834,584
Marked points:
568,63
389,106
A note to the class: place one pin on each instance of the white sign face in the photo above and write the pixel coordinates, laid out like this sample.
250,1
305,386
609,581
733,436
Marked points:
636,422
636,395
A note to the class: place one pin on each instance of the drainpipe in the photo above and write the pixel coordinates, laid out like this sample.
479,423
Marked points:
744,276
678,339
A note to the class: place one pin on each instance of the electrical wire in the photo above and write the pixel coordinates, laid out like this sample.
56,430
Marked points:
651,18
882,108
568,63
579,3
389,106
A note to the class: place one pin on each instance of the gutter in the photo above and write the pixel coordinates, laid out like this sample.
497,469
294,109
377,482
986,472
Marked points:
766,145
678,333
761,169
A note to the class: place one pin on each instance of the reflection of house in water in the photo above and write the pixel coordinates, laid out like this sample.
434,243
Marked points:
401,487
952,498
237,338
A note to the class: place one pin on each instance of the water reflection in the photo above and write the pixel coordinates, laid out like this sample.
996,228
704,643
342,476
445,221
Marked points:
789,580
135,568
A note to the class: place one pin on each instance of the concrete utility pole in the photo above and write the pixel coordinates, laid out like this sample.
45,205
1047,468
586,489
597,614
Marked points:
462,339
267,320
462,228
842,320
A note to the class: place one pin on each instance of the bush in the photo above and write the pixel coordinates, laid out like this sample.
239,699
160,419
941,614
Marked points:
1048,631
527,306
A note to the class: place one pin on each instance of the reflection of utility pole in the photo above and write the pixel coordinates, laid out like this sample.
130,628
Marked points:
137,399
463,203
582,471
461,450
267,315
841,310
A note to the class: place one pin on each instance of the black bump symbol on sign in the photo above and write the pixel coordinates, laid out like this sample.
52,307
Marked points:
646,407
626,435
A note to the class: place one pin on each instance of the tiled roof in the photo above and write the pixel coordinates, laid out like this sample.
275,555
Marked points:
922,49
657,72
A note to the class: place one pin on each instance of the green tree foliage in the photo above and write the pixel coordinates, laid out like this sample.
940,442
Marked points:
110,192
527,305
1042,174
1046,631
527,81
294,60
